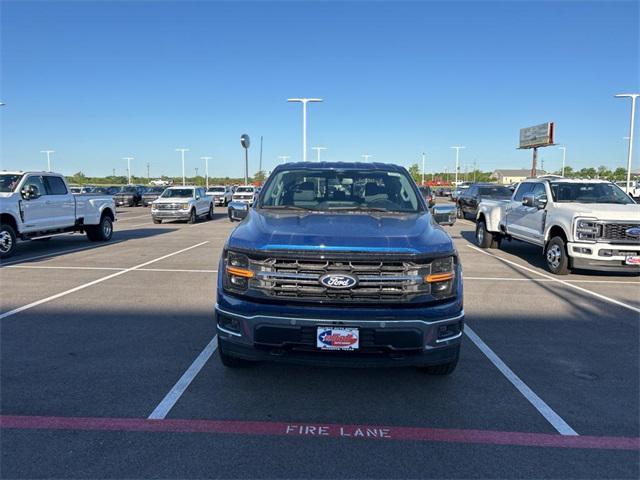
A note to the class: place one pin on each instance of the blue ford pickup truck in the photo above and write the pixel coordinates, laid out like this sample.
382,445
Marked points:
340,264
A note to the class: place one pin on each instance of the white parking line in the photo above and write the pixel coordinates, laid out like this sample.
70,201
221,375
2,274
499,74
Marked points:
133,218
58,252
545,410
94,282
171,398
563,282
507,279
47,267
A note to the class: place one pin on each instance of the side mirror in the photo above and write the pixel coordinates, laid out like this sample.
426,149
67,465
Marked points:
444,214
237,211
541,202
31,192
528,200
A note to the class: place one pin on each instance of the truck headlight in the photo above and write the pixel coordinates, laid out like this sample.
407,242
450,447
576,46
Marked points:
587,230
237,272
184,206
442,277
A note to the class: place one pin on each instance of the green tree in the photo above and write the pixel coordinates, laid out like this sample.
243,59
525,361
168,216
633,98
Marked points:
414,171
620,174
604,172
259,176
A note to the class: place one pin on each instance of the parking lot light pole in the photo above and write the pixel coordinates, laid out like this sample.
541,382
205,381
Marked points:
304,102
633,97
182,150
206,170
318,150
366,156
564,158
128,159
424,156
458,148
48,152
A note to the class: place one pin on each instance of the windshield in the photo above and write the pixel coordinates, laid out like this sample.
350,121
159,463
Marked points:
245,189
331,189
589,193
155,190
216,189
128,190
177,193
8,182
494,192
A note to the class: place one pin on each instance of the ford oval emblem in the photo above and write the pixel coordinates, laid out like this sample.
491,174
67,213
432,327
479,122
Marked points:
633,231
338,280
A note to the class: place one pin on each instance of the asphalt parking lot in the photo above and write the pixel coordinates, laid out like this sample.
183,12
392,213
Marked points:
109,369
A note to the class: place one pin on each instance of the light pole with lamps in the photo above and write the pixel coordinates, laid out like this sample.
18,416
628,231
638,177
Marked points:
318,149
48,152
182,150
366,156
284,158
564,158
206,170
304,102
633,97
128,159
457,148
424,157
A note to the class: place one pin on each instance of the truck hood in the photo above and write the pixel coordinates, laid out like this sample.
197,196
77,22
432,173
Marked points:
355,232
602,211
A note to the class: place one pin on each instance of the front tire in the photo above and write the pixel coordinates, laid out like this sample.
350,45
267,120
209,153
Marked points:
484,238
556,256
7,240
445,368
157,221
232,362
101,232
192,217
459,212
210,213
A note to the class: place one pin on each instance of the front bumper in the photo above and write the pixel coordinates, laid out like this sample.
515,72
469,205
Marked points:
119,201
603,256
171,214
389,336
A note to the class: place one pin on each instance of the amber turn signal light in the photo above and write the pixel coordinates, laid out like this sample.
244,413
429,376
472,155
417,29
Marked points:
438,277
240,272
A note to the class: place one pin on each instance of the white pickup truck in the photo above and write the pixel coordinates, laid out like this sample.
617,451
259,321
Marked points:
589,224
37,205
634,188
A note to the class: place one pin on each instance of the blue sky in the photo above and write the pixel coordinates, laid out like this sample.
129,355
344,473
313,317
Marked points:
97,81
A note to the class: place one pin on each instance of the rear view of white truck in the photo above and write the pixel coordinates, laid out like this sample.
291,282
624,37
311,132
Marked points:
37,205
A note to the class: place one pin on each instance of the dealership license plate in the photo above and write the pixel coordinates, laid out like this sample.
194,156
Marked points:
633,260
332,338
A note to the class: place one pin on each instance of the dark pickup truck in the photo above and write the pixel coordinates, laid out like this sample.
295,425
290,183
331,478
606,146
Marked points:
340,264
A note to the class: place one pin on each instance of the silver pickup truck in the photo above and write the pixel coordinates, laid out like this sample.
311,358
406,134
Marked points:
588,224
37,205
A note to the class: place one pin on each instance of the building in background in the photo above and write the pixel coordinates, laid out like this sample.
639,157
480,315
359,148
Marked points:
507,177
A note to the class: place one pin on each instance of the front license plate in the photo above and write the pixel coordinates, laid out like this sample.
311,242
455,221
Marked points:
633,260
332,338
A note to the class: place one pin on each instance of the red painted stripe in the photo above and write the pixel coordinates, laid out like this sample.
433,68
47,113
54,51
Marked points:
370,432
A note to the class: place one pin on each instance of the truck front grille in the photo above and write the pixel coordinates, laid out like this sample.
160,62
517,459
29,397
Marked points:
167,206
617,232
378,281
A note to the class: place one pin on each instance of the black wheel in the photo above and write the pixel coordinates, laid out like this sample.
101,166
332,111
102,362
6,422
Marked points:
101,232
210,213
484,238
7,240
556,256
157,221
232,362
226,202
445,368
193,218
459,212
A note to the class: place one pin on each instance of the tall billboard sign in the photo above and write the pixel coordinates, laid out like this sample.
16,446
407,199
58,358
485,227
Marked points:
535,137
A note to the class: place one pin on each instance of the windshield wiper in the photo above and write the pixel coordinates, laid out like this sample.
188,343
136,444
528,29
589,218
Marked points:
366,209
286,207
